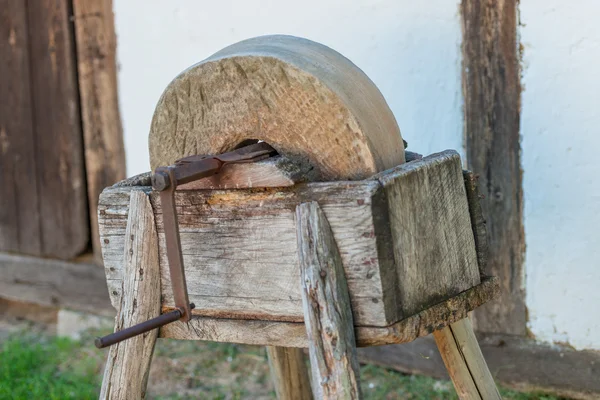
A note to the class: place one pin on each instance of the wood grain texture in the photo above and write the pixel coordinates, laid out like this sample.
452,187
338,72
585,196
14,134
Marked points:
327,310
517,362
491,88
240,245
289,373
64,223
466,343
78,285
293,334
457,368
465,363
240,250
431,229
306,100
126,371
102,131
19,210
477,220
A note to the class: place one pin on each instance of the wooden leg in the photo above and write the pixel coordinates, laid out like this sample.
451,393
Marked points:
326,305
465,363
289,373
128,365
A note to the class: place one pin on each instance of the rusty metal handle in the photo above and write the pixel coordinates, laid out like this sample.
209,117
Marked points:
165,181
138,329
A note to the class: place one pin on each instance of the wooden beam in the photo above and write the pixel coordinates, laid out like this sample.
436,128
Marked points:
19,214
128,362
293,334
64,219
465,363
326,305
61,284
491,88
517,362
289,373
41,167
102,131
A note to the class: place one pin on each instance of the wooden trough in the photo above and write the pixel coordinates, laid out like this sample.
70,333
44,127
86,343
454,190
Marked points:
405,238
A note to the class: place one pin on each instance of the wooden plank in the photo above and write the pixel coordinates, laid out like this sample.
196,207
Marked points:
458,369
240,250
289,373
517,362
491,89
466,342
61,284
326,305
128,366
64,224
430,223
293,334
19,214
465,363
97,73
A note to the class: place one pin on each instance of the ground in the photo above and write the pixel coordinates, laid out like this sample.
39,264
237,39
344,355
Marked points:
36,364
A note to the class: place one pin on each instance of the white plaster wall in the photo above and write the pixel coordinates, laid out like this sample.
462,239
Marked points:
411,51
560,123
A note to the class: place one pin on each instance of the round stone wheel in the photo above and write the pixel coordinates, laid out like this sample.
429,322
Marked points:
306,100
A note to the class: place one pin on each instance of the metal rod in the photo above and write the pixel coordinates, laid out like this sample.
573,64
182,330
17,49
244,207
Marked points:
174,256
138,329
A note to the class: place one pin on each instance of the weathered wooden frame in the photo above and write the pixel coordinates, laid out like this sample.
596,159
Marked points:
373,234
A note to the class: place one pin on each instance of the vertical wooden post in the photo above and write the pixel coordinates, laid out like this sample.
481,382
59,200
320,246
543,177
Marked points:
128,365
326,304
465,363
102,132
492,93
289,373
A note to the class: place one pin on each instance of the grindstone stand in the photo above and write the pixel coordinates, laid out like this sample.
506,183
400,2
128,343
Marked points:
272,258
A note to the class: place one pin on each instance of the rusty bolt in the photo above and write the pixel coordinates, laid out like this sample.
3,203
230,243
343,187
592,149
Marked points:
160,180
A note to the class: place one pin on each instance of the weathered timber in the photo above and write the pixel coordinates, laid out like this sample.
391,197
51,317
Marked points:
466,342
465,363
434,249
491,88
305,99
44,209
102,132
477,220
78,285
457,367
289,373
293,334
239,245
19,213
517,362
64,223
126,371
240,251
326,305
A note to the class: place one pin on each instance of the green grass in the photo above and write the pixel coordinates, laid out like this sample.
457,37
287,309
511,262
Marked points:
42,368
46,367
